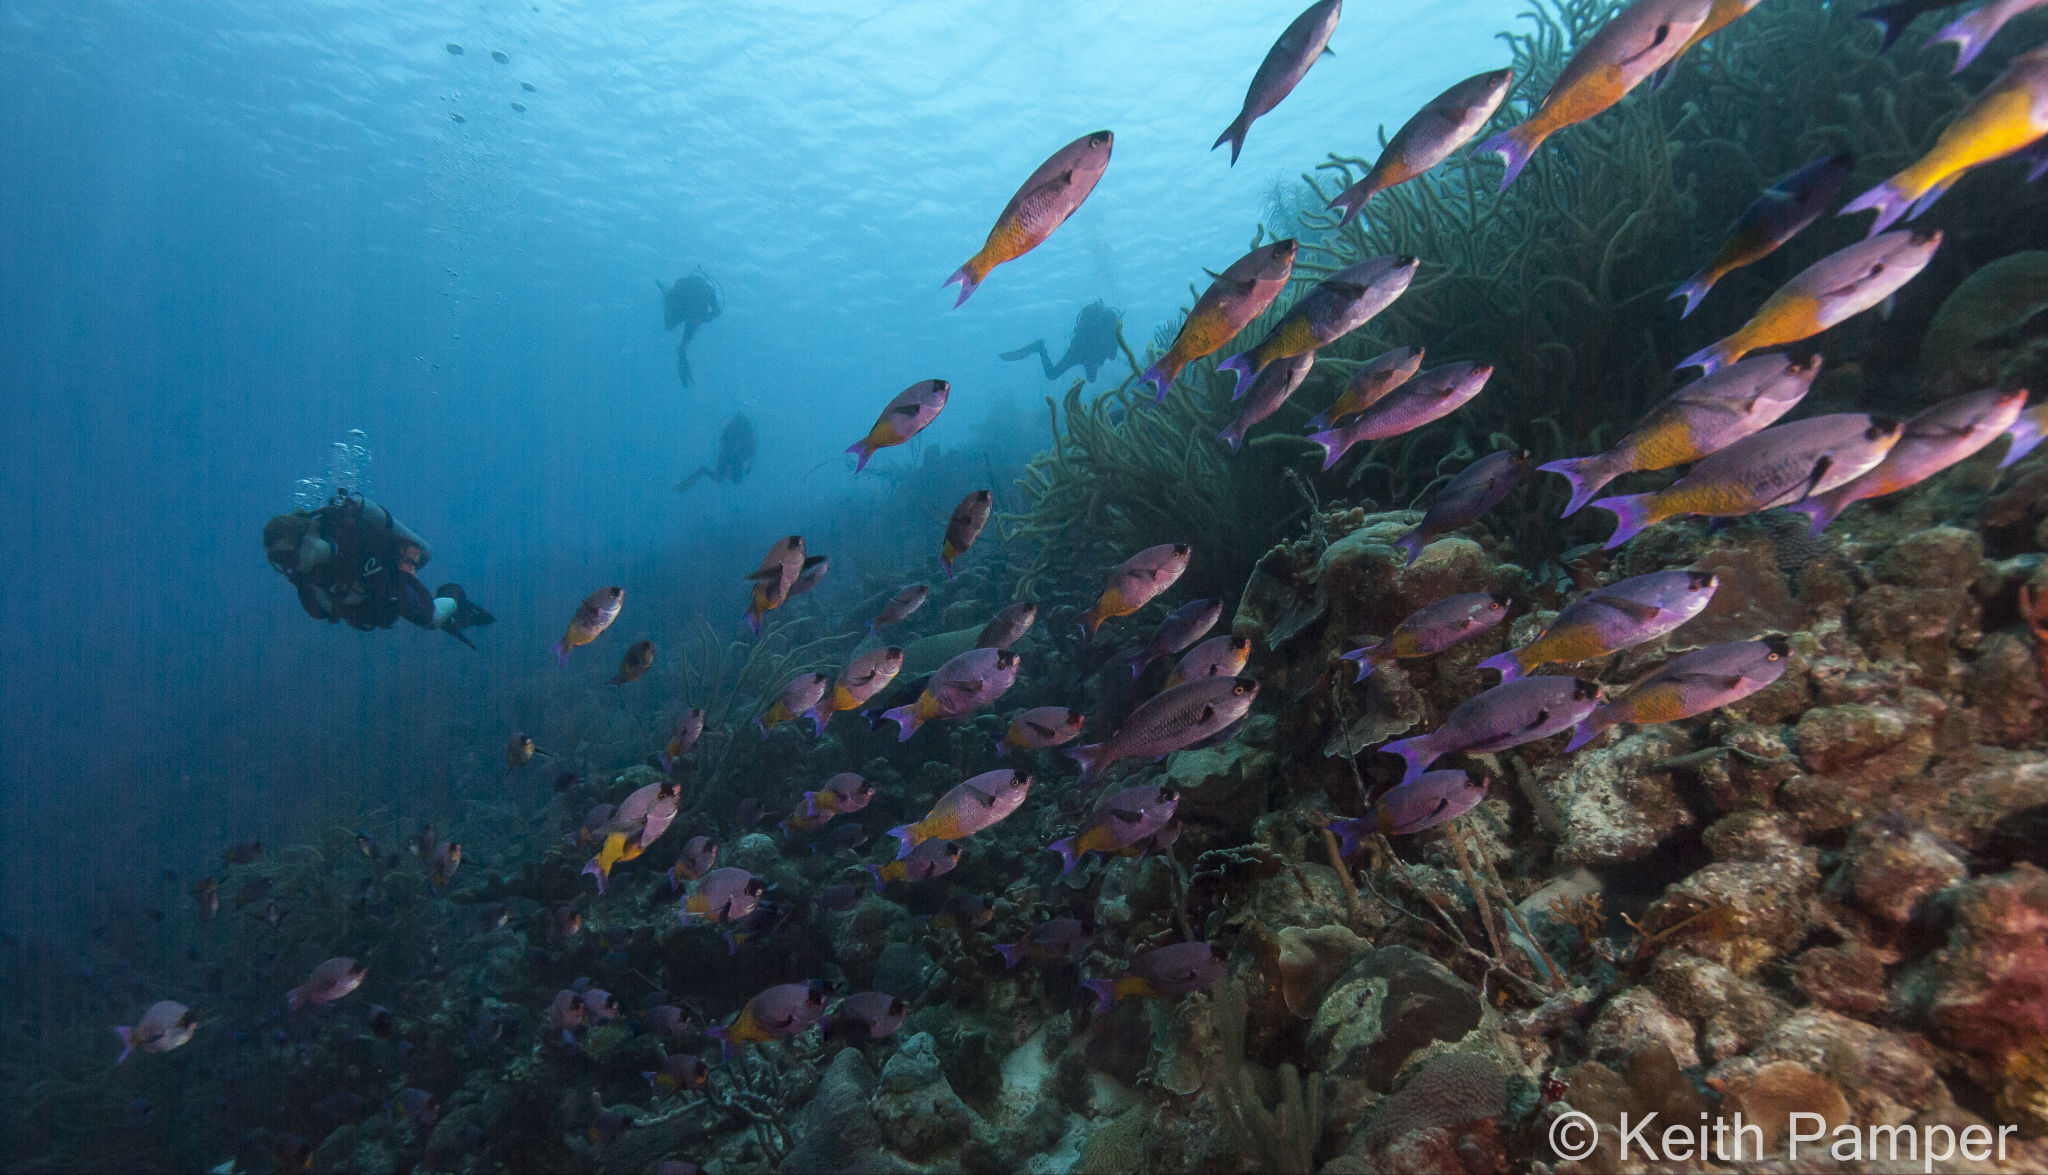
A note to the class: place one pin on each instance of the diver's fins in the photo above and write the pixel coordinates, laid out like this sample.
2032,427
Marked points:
683,358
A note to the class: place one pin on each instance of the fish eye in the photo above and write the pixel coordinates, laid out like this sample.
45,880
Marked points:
1771,657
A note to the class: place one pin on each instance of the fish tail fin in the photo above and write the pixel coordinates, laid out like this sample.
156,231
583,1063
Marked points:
875,873
753,619
1509,664
1932,194
1138,661
1369,658
907,720
1240,368
1968,34
907,833
1514,146
1352,200
1091,758
1090,621
1105,993
593,869
818,718
1893,19
1584,733
1333,445
1233,135
127,1035
1632,513
1709,359
2040,168
294,998
1350,836
1410,545
1821,510
1419,751
761,726
1585,475
1233,435
2026,433
968,277
1694,288
723,1036
1892,199
561,653
1161,377
1012,953
1069,851
861,449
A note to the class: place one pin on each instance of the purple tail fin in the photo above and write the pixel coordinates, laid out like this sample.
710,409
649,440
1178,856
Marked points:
1069,855
1012,953
723,1036
1586,478
1156,376
1369,658
1708,359
127,1036
2039,155
1419,751
1350,835
1139,660
754,623
1233,135
1822,510
968,284
1410,545
1893,18
818,719
1092,758
2026,433
1631,513
1232,436
907,833
863,451
1968,35
1333,446
592,869
905,717
1105,993
1584,733
561,653
1510,666
1692,289
1512,151
875,873
1240,367
1890,201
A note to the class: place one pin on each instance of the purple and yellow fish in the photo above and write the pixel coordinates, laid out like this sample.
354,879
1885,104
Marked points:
1777,216
1182,627
1477,488
900,606
1435,797
1702,417
867,1015
1041,727
1431,629
1508,715
776,1013
964,527
844,793
1370,384
1265,393
1131,815
797,698
1702,680
1941,436
682,737
865,676
1837,287
1607,620
1219,656
974,679
1973,30
1136,582
969,807
1239,294
1171,720
1049,941
1431,396
907,415
1163,971
2010,115
166,1025
1428,137
1306,38
639,659
1635,43
726,894
773,579
928,860
1044,202
593,616
1336,306
1783,464
1008,626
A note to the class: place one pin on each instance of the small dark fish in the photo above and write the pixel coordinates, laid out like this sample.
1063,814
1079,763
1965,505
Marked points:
810,575
1433,628
639,659
454,117
1008,627
519,751
665,1021
243,852
341,1106
748,813
252,892
382,1023
1163,971
839,897
928,860
868,1015
138,1113
208,894
1264,393
366,844
607,1126
1477,488
900,606
1777,216
1508,715
679,1073
1182,627
682,737
564,924
699,856
1695,683
963,912
845,837
599,1005
1306,38
966,524
529,87
289,1152
1058,938
421,1106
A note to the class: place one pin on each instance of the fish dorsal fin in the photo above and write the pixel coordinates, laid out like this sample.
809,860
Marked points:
1633,609
1053,183
1542,716
1043,731
1126,817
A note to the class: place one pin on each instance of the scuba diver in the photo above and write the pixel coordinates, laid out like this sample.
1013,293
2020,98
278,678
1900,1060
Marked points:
692,301
1094,341
352,562
735,455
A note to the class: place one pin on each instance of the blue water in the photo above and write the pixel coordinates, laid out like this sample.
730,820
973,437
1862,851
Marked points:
231,232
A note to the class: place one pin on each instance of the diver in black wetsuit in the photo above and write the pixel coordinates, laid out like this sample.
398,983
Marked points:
692,301
735,455
1093,343
352,562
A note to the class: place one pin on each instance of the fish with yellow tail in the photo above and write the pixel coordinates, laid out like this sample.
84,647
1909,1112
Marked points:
1370,384
166,1025
1239,294
1163,971
1972,31
1008,625
907,415
1428,137
1603,622
1206,710
1136,582
1635,42
593,616
520,751
1049,196
328,982
1777,216
974,679
2009,116
1781,465
928,860
1306,38
1702,680
1338,305
1041,727
969,807
1836,288
639,659
803,692
1124,819
776,1013
968,519
1949,432
682,737
773,579
844,793
1704,416
865,676
1431,629
634,826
